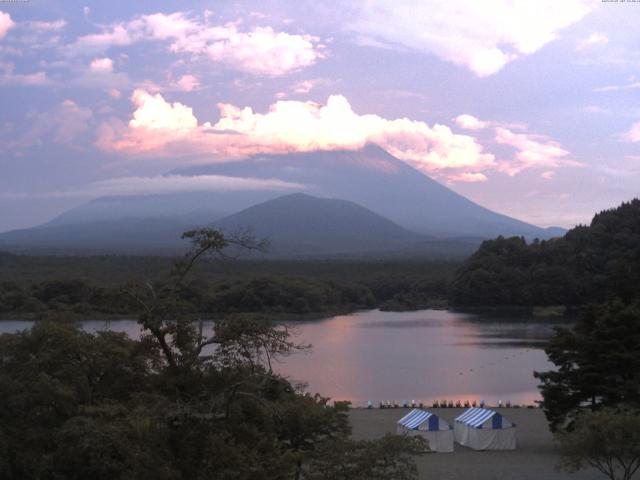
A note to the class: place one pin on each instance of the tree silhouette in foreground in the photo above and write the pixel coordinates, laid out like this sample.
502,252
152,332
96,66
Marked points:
607,440
178,403
597,364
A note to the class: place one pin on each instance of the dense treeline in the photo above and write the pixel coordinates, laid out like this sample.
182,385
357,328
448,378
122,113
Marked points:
118,269
589,264
219,288
265,294
299,295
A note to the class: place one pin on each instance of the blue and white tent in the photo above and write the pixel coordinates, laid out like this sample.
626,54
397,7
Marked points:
432,428
484,429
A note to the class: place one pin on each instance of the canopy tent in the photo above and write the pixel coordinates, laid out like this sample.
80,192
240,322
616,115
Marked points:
429,426
483,429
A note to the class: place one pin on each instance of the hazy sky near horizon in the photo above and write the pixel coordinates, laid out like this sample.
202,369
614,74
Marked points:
530,108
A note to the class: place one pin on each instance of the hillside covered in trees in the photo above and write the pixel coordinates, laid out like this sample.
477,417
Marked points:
589,264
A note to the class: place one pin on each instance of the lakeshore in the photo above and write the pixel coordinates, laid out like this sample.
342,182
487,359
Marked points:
535,457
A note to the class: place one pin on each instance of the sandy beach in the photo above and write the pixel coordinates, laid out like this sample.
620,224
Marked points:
534,458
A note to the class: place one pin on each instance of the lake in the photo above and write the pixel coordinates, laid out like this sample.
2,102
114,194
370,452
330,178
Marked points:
395,356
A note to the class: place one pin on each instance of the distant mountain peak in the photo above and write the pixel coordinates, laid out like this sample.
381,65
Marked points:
369,184
375,179
302,224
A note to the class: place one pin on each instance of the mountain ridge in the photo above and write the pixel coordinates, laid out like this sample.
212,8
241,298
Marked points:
385,185
301,224
370,178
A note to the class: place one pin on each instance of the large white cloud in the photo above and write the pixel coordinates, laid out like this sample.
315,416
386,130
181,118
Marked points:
158,127
481,35
259,50
154,113
5,23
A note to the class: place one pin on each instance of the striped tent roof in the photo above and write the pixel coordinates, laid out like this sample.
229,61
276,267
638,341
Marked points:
475,417
415,418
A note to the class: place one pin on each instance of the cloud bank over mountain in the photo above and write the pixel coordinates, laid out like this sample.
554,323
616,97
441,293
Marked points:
158,127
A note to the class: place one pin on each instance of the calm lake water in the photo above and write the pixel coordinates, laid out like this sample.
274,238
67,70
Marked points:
422,356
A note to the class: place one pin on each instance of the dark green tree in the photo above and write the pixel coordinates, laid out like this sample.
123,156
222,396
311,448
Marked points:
181,403
607,440
589,264
54,374
597,364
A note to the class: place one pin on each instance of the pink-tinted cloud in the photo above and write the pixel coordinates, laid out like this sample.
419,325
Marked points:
115,36
263,51
633,134
468,177
259,50
5,23
160,26
154,113
469,122
100,65
170,129
188,83
532,151
482,36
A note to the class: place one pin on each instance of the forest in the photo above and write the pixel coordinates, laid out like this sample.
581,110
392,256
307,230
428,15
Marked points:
81,287
589,264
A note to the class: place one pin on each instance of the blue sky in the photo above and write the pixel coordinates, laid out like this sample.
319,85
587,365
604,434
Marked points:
528,108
